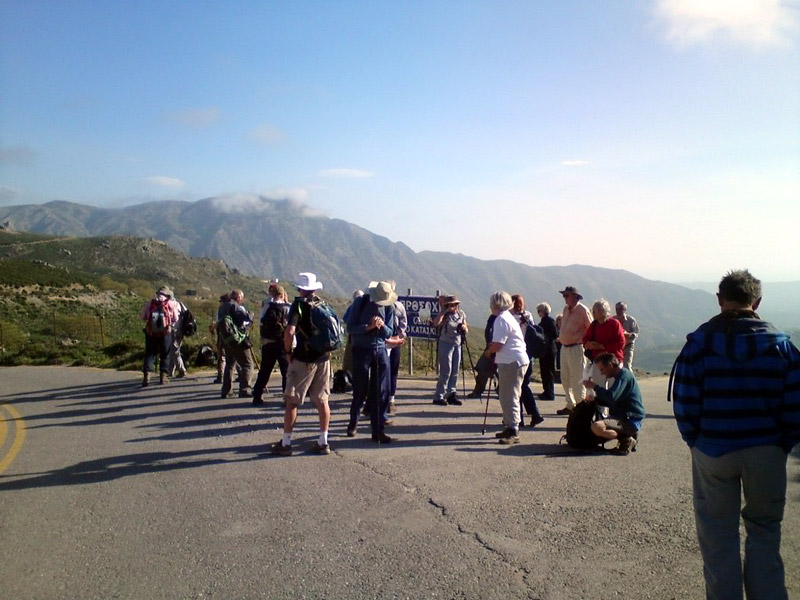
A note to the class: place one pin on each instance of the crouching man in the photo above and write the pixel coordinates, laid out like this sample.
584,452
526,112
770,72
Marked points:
624,402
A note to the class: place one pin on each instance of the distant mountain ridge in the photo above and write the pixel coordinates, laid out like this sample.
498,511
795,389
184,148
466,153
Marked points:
269,238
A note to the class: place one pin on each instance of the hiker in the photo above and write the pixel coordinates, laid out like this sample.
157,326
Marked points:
309,371
547,363
234,328
575,320
212,329
623,400
395,350
483,375
631,328
159,316
371,323
451,323
178,368
524,318
511,358
274,317
603,335
737,406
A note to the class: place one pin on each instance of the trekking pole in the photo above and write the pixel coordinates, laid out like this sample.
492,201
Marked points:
486,412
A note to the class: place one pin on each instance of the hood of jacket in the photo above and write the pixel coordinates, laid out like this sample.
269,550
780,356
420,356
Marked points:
739,336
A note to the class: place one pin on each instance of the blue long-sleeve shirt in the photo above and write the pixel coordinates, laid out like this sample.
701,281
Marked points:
737,385
360,314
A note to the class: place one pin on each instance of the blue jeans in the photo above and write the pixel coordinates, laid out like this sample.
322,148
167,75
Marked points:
449,361
718,482
370,382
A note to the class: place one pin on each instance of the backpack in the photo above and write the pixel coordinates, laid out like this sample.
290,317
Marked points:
188,322
274,321
326,331
535,341
159,319
579,427
230,333
340,385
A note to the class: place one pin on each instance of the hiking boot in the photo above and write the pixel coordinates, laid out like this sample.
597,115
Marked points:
454,400
507,432
181,373
217,381
392,409
351,432
279,449
316,448
564,411
440,402
625,446
257,400
545,397
382,439
146,379
536,420
162,378
245,394
512,438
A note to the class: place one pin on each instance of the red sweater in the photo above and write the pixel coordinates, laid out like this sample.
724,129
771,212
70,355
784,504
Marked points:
609,333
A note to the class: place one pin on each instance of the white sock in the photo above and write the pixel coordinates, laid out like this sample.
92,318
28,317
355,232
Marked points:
391,399
323,438
287,439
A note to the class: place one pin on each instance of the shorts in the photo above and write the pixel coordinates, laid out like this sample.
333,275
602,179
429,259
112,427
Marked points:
313,379
622,426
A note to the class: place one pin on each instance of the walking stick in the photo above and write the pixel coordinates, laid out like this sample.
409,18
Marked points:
488,395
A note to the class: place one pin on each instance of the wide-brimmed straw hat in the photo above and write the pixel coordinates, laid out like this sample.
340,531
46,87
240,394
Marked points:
165,291
382,292
307,282
571,290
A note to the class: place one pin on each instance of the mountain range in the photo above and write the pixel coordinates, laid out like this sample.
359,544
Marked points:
268,238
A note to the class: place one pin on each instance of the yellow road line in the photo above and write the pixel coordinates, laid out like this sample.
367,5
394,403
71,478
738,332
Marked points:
19,438
3,432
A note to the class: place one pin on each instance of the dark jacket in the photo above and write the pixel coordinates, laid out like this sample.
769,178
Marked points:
737,385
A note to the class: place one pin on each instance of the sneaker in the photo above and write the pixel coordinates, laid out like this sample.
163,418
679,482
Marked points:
281,450
454,400
382,439
392,409
535,421
507,432
316,448
513,438
564,411
440,402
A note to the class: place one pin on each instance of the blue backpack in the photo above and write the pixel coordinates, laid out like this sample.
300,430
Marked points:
535,341
326,331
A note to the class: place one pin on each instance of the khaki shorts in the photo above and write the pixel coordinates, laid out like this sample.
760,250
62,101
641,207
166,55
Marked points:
304,378
622,426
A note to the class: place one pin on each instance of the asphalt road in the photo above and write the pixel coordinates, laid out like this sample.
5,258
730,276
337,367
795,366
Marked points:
108,490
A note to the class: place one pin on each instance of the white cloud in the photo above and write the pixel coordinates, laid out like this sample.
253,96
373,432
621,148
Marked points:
276,200
574,163
755,22
267,134
347,173
164,181
196,118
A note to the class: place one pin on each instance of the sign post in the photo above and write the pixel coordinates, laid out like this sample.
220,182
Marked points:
420,311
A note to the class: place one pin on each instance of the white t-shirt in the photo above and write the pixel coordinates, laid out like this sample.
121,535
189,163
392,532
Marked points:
507,331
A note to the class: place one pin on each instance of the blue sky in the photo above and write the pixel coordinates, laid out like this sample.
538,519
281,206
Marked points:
657,136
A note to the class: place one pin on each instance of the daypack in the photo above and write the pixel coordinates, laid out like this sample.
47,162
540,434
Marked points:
535,341
188,322
232,336
326,331
579,427
160,318
340,385
274,321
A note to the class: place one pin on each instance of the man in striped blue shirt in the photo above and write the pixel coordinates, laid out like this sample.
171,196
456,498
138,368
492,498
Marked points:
737,405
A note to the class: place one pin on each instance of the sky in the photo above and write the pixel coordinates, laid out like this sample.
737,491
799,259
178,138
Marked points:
657,136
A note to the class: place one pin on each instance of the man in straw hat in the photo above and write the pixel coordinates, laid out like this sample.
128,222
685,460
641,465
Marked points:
575,320
309,371
452,325
370,324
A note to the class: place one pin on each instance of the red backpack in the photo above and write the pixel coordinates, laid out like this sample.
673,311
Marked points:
159,319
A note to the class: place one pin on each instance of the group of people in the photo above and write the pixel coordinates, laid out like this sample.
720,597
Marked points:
736,391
